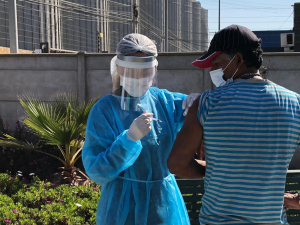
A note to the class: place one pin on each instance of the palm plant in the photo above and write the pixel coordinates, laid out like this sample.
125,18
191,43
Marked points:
60,122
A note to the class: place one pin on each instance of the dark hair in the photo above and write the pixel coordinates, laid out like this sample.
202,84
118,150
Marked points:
252,55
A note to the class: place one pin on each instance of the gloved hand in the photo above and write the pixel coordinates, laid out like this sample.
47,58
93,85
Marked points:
140,127
188,102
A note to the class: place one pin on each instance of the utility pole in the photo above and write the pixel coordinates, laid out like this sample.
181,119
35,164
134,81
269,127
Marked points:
41,14
13,26
135,17
98,25
166,27
102,26
48,25
57,25
219,14
99,37
52,23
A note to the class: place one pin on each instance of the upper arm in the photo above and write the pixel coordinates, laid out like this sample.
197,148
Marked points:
187,141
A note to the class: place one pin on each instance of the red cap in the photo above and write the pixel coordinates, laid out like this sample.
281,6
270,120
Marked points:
205,60
233,36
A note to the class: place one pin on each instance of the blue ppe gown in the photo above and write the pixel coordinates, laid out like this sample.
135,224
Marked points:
137,187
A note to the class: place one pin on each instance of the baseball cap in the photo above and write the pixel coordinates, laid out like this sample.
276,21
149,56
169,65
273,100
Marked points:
227,38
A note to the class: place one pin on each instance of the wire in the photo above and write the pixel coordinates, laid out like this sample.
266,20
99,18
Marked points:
178,39
159,35
254,22
81,37
286,20
72,9
245,6
76,35
119,3
249,17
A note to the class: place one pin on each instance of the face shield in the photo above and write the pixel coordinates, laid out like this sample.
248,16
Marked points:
132,78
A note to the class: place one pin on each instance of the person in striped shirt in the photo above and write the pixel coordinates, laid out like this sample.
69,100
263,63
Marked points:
250,127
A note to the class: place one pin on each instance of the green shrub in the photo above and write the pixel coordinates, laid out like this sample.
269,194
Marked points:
10,185
44,203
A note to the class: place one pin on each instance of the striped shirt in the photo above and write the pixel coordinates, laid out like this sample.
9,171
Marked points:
250,130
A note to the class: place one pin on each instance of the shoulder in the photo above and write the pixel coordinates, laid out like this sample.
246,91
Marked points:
167,94
204,96
281,88
279,91
101,104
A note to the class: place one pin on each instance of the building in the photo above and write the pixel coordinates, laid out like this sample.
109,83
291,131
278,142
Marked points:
98,25
297,26
276,40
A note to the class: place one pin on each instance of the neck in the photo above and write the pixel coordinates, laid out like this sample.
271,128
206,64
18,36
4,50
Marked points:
247,71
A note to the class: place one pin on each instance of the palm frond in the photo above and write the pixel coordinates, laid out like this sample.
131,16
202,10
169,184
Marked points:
60,121
11,142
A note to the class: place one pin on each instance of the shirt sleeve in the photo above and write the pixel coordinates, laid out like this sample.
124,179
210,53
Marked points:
106,153
178,112
298,96
203,107
173,103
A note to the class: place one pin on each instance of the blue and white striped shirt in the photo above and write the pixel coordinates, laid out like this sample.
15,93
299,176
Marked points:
250,130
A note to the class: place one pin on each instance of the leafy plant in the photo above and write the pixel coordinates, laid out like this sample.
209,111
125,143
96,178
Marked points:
60,122
42,203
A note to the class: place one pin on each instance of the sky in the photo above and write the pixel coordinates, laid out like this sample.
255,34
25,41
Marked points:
254,14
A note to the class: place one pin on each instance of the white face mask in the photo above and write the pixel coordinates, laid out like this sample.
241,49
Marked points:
217,76
136,87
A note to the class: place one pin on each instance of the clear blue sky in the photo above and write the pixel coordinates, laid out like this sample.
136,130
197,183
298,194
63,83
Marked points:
254,14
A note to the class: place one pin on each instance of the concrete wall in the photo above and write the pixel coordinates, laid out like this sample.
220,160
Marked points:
88,76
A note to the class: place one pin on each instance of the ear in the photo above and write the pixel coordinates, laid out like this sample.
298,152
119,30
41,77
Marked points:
240,59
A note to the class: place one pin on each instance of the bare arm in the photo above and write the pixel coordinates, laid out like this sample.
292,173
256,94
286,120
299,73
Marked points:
291,201
181,159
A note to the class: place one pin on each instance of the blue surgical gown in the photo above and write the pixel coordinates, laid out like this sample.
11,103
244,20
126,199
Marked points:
137,187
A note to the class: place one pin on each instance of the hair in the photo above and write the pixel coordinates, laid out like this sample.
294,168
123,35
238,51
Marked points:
252,55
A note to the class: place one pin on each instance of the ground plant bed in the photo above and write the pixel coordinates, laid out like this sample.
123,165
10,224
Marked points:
44,203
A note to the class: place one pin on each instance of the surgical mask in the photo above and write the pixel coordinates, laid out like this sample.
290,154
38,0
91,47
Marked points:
136,87
217,76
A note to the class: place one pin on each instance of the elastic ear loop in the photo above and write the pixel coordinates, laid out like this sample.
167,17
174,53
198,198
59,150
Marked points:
229,64
234,73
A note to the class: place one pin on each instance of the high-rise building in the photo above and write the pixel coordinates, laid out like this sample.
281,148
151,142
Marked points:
297,26
98,25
